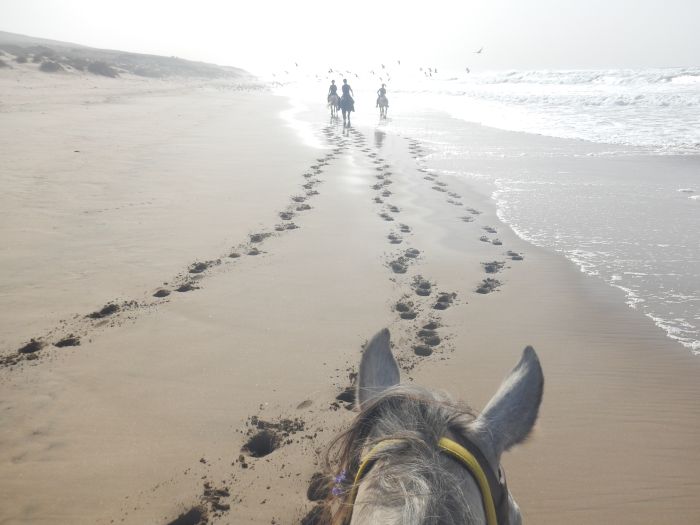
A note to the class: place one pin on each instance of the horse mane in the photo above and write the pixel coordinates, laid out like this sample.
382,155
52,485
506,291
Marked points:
416,482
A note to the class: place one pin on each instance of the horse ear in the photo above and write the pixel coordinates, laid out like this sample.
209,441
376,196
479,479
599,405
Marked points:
510,415
378,368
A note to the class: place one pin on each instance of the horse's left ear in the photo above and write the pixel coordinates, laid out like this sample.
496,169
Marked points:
378,368
510,415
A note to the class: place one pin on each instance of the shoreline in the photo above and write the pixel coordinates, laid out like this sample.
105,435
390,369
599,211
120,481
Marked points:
497,153
153,411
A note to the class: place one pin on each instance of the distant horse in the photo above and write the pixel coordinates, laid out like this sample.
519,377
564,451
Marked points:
347,105
412,456
383,106
334,104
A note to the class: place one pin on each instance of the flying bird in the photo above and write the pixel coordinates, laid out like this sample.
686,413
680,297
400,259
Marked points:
467,70
479,51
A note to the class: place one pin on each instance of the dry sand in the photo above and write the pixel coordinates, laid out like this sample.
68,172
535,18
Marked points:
146,418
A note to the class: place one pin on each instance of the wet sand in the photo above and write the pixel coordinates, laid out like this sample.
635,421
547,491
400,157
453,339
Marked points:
149,417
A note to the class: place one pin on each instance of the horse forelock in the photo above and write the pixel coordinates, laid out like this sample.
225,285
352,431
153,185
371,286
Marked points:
412,481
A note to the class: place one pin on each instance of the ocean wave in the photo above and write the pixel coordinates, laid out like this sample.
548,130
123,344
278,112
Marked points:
653,109
613,77
679,331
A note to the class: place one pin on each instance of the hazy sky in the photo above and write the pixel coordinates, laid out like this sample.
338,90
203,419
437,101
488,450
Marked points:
263,35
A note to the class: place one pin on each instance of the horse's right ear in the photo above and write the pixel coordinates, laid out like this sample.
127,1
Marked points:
378,368
510,415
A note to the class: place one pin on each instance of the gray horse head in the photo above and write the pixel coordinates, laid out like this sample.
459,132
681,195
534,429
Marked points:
412,480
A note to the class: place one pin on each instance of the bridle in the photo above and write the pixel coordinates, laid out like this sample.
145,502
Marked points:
493,488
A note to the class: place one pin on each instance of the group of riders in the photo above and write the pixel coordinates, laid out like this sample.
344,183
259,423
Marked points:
346,102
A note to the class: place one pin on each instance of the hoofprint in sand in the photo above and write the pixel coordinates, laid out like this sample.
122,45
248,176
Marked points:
218,400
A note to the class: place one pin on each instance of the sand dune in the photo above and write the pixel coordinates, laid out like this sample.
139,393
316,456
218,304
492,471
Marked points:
51,56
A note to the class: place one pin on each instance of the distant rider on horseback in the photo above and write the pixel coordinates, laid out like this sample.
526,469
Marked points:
346,100
332,90
381,92
347,103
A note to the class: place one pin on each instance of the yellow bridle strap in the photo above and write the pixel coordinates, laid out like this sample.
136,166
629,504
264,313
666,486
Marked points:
452,448
465,457
366,461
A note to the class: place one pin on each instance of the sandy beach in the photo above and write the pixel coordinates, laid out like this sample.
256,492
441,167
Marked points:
245,270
